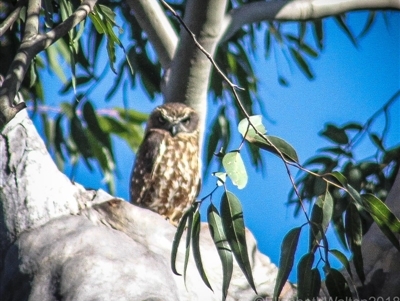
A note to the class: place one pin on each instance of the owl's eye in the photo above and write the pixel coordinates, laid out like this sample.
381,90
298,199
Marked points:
186,120
161,119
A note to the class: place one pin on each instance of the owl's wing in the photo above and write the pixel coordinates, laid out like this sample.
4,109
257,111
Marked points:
146,161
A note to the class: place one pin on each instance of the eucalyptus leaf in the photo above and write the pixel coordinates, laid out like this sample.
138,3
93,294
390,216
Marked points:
177,238
233,224
354,234
235,168
337,285
288,250
196,248
224,251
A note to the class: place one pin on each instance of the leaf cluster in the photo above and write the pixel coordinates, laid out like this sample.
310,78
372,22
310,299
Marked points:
77,132
229,236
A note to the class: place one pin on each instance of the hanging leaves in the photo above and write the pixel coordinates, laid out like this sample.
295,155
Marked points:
233,224
309,279
224,250
320,218
196,248
103,19
288,250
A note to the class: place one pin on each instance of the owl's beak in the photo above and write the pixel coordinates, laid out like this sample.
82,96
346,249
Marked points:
175,129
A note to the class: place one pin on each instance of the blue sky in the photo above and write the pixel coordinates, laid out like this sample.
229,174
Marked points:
351,84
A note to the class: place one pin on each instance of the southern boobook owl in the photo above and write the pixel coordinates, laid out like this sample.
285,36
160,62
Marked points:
166,174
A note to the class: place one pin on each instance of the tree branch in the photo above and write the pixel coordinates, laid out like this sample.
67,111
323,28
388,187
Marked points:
11,18
298,10
32,20
188,78
155,23
32,44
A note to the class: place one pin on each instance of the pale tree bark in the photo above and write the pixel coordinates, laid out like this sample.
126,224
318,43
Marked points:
61,241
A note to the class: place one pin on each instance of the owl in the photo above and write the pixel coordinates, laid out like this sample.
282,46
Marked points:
166,174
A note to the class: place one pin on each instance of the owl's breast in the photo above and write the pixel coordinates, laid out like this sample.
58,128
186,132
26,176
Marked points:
176,175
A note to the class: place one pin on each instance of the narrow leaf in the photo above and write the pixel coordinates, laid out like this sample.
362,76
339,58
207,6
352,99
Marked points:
233,224
318,33
188,238
309,280
377,141
223,248
383,217
343,260
288,250
335,134
275,145
196,248
354,238
177,239
341,20
301,62
235,168
320,218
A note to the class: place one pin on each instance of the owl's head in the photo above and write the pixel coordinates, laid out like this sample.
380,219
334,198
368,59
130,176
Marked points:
175,118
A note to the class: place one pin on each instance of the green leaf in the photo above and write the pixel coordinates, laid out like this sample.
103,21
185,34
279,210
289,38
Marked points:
309,279
343,260
275,145
132,115
80,138
235,168
377,141
177,239
307,49
335,134
59,138
340,177
321,216
90,117
196,248
353,126
80,80
223,248
245,127
233,224
318,33
337,285
188,238
283,81
354,235
301,62
368,24
288,250
383,217
341,20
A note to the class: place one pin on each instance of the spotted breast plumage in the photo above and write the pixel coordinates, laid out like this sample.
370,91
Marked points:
166,174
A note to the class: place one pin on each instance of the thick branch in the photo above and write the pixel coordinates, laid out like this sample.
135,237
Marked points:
32,20
188,78
32,44
155,23
298,10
